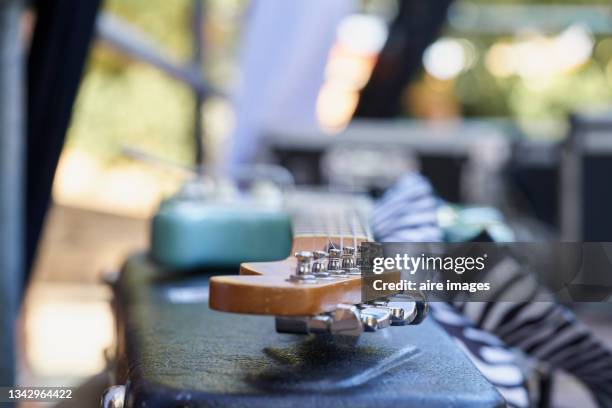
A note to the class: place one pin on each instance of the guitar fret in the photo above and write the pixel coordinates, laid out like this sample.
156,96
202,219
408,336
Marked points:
329,215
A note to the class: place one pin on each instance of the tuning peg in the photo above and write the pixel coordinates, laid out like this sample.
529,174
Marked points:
346,325
303,269
407,309
348,261
304,266
375,318
319,268
334,264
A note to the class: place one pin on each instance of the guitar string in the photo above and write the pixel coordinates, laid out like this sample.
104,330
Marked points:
339,230
330,244
314,243
339,223
352,221
330,225
364,225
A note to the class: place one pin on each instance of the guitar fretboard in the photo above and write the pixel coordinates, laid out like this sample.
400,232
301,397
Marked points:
329,214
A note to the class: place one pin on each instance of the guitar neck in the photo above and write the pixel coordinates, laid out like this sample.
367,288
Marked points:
321,219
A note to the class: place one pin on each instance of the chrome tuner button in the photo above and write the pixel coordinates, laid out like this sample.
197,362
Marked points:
303,269
358,258
407,310
348,261
375,318
348,257
304,263
346,322
334,264
319,269
320,324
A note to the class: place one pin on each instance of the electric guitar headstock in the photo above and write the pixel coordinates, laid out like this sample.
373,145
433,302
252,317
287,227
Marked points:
318,288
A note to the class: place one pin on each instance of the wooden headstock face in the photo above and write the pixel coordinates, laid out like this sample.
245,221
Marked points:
265,287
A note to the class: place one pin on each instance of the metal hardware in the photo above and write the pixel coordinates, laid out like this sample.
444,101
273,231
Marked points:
113,397
342,323
358,258
303,270
375,318
292,325
334,265
346,323
348,261
399,316
320,324
408,308
319,269
304,266
310,279
303,325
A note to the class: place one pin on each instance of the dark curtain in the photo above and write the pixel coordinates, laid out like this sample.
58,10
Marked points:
60,45
416,25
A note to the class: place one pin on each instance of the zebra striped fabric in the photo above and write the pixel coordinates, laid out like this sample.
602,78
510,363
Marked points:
545,331
487,352
407,212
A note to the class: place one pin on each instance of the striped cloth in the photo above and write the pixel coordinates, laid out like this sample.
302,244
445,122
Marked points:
545,331
408,213
487,352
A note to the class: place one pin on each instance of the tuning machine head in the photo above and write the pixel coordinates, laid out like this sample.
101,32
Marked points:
319,267
303,269
349,264
346,323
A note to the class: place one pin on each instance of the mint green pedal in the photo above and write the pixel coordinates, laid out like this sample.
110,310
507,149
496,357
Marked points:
195,233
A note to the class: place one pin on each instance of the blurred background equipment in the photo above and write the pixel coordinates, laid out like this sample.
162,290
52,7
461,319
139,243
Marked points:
585,194
464,160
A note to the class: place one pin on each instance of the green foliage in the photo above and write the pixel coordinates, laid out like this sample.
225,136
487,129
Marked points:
166,21
553,99
140,107
126,102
